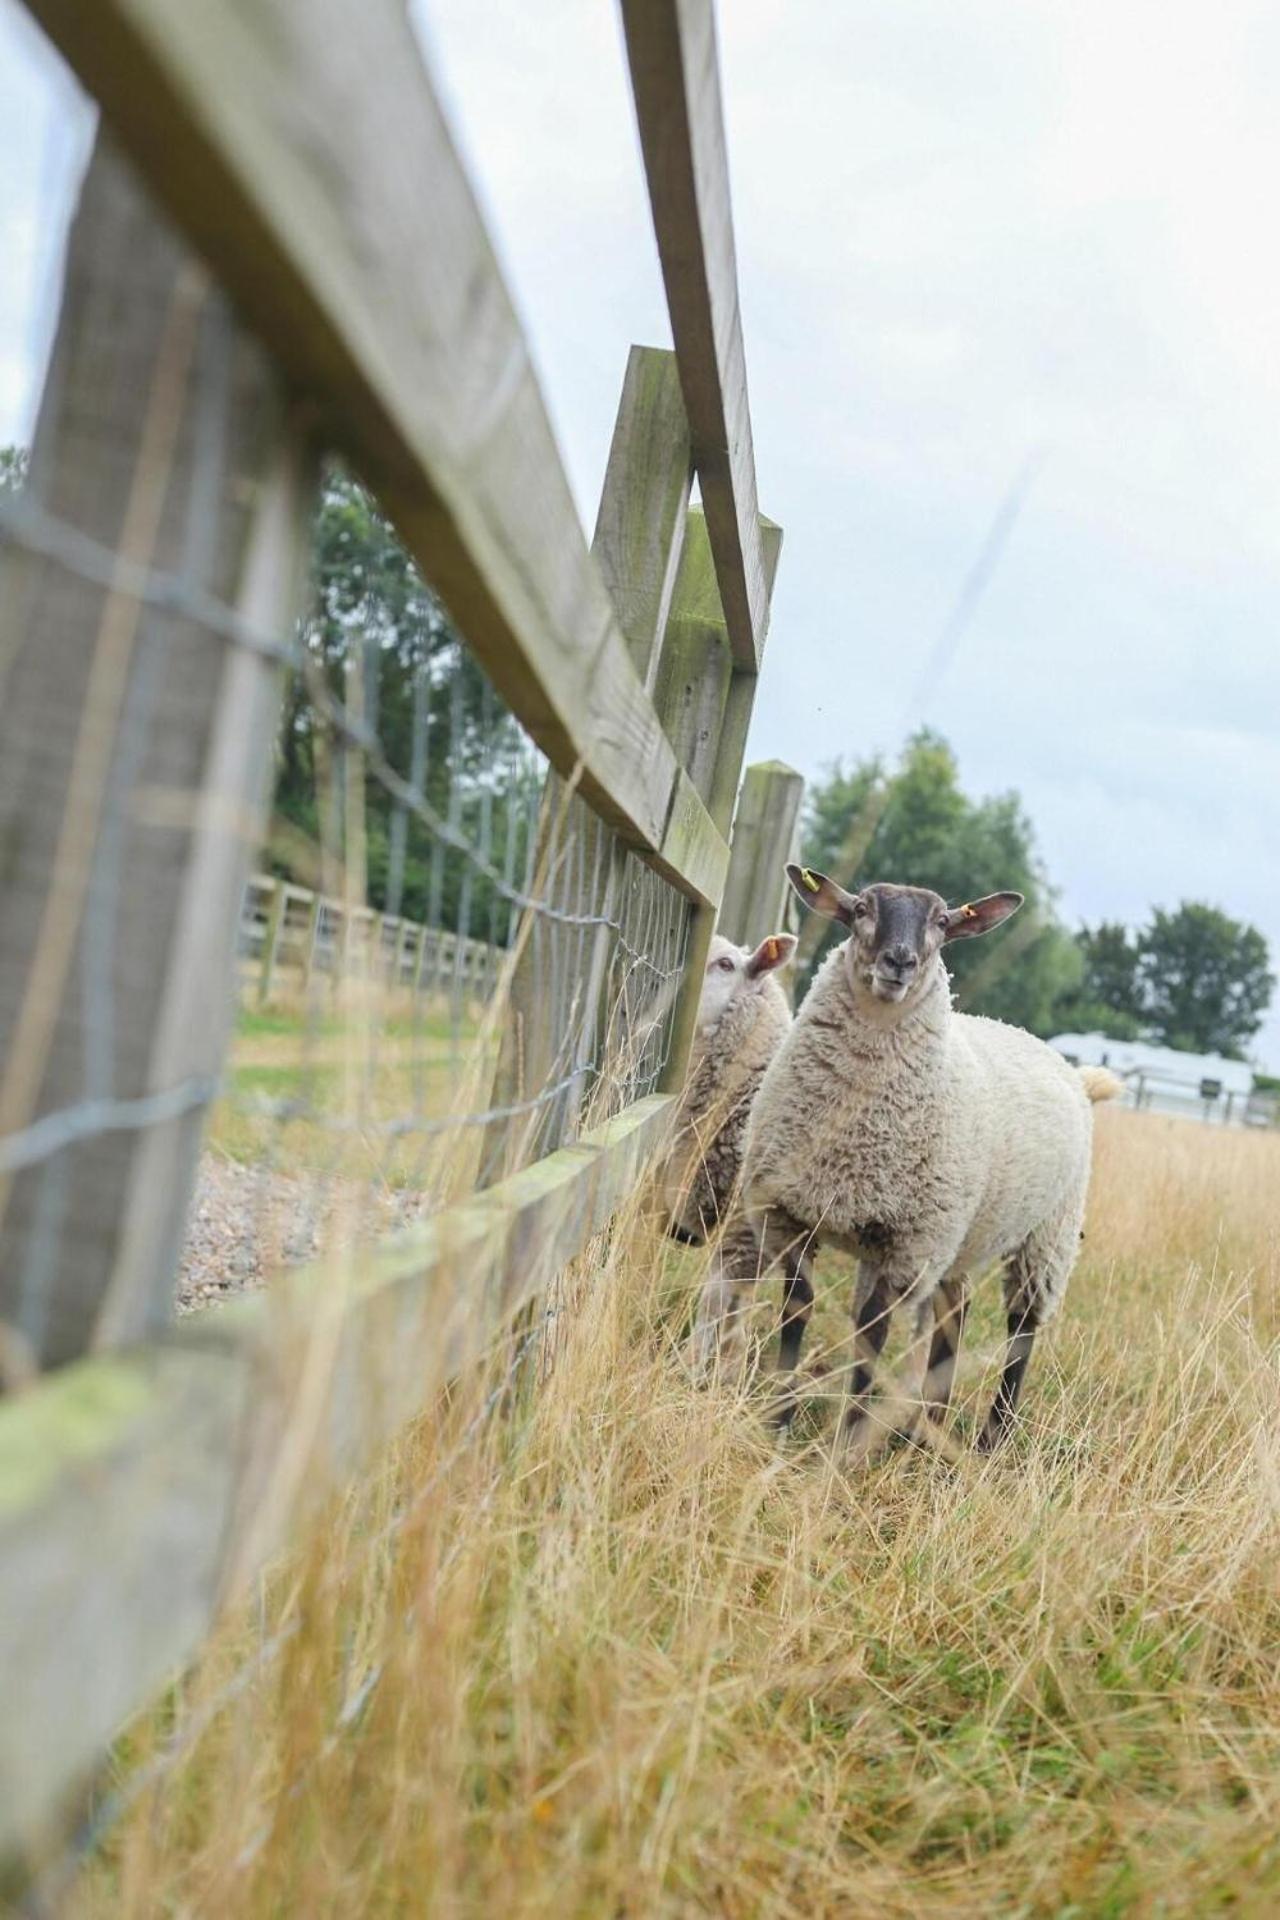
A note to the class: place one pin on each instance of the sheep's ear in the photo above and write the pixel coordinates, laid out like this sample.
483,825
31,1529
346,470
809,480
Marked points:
822,895
981,915
774,951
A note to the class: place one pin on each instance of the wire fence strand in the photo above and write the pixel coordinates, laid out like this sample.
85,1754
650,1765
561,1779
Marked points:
445,967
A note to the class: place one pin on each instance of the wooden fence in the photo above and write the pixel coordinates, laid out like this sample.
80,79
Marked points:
302,154
288,935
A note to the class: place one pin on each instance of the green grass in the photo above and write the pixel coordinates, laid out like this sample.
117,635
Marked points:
349,1086
297,1027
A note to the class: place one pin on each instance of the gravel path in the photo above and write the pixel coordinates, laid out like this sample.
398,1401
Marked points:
248,1222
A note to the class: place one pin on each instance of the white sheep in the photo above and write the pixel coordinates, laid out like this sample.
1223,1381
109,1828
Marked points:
930,1143
743,1018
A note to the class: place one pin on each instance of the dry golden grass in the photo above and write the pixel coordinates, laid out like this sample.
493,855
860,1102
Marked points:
637,1661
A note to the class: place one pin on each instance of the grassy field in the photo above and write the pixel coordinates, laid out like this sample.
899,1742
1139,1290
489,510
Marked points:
623,1657
419,1064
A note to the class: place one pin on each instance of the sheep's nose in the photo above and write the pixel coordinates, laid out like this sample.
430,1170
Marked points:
901,959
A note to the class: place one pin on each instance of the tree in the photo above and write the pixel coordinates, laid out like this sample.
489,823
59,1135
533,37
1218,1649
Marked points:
377,636
375,621
1110,966
917,827
13,470
1204,979
1108,998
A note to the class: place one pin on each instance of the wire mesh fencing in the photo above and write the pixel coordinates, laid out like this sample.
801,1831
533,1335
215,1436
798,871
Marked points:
476,971
445,965
306,950
423,859
354,1608
436,965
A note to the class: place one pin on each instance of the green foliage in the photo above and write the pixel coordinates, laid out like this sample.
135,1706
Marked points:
1110,966
1194,979
380,641
13,470
1076,1013
1107,998
917,827
1204,979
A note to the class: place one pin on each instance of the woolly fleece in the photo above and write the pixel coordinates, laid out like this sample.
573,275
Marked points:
727,1066
945,1141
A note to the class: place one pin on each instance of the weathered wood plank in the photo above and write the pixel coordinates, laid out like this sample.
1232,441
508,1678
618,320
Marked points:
134,750
705,701
694,843
735,721
671,47
706,704
314,169
764,834
697,661
640,529
174,1473
640,524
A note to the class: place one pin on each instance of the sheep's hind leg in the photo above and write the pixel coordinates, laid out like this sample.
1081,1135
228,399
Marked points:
872,1311
950,1305
786,1243
1035,1280
1023,1312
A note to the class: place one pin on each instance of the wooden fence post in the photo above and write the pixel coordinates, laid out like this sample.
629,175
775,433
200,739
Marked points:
706,702
763,840
637,542
419,961
310,935
134,751
270,941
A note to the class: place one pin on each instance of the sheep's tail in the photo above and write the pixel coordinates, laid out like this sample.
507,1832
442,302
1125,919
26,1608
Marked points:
1100,1083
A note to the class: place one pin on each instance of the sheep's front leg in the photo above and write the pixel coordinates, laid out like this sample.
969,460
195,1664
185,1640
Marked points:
752,1246
872,1311
950,1304
870,1429
785,1243
718,1337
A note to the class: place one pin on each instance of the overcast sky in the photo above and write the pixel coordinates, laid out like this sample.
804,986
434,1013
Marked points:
970,236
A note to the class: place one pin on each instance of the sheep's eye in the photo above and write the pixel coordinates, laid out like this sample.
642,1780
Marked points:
861,911
725,964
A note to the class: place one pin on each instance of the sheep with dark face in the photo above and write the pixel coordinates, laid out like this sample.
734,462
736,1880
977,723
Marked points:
932,1144
743,1018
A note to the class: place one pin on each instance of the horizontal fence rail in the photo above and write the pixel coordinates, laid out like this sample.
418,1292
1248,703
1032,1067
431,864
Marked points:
671,46
287,929
502,783
185,1466
292,151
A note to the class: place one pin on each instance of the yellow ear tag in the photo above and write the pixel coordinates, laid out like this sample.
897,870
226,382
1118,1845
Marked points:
970,913
808,879
771,951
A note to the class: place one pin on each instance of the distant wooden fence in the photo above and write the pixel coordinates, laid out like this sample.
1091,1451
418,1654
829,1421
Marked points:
302,153
288,934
